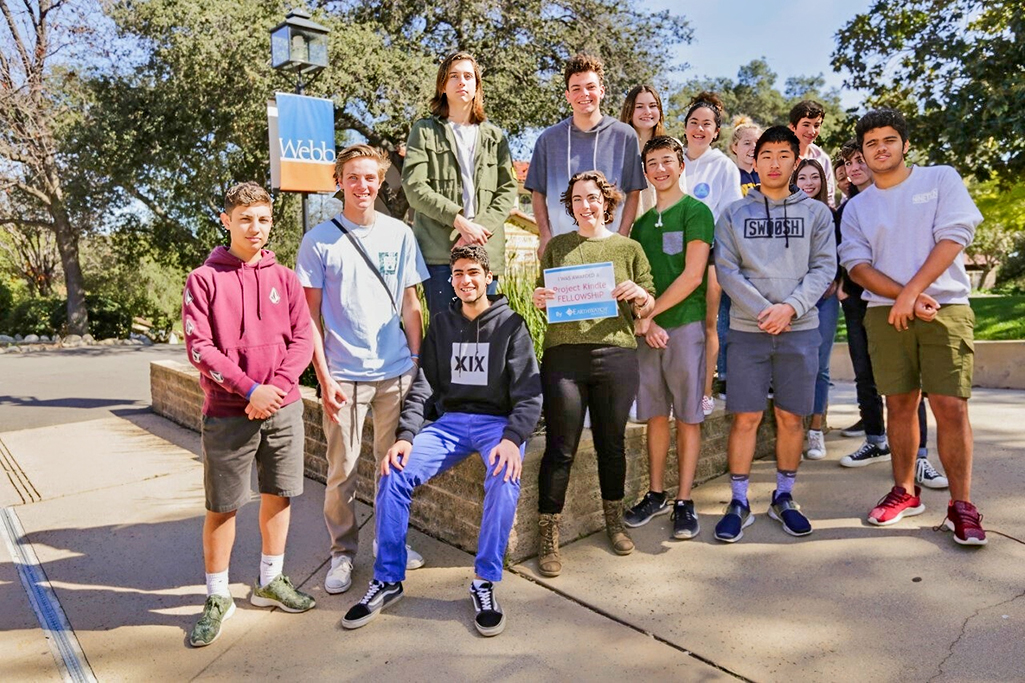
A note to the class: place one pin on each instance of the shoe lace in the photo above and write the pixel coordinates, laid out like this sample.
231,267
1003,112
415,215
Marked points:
484,597
892,499
866,449
549,537
681,511
375,588
927,470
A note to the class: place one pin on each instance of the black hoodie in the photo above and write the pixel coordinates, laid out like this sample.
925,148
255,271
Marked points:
485,366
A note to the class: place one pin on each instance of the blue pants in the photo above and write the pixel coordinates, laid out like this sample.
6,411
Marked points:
437,448
829,313
438,290
722,329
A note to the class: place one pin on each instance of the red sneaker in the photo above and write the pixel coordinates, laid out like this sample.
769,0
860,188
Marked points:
966,523
896,505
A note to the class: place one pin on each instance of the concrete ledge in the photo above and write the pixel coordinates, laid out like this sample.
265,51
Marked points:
449,506
998,364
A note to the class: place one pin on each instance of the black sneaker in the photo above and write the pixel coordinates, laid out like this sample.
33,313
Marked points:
866,455
651,505
855,430
685,520
379,596
490,621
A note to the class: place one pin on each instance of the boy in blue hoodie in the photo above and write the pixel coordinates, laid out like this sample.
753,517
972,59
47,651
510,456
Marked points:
775,255
479,381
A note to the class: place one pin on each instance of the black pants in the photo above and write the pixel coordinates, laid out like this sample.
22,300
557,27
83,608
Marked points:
574,378
870,403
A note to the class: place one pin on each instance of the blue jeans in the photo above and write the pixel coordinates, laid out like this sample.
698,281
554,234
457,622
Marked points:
437,448
722,329
438,288
829,313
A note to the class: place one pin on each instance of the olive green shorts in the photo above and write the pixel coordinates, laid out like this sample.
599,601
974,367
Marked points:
937,357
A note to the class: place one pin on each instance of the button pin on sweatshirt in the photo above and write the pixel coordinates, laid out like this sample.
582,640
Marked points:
702,190
274,296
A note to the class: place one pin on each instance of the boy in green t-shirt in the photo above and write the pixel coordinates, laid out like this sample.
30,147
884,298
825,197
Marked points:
676,236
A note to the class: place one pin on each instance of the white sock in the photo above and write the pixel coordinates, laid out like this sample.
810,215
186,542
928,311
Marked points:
270,567
217,584
477,583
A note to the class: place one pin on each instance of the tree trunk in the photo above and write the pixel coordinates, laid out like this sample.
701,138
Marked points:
67,245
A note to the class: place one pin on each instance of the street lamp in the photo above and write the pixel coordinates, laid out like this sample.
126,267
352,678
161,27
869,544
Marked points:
299,44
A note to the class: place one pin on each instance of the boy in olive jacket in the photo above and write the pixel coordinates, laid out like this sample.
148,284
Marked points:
458,178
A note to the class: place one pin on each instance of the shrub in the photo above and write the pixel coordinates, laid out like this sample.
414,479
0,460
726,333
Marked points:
33,316
107,318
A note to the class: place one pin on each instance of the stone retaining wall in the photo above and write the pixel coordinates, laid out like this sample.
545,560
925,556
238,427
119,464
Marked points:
449,506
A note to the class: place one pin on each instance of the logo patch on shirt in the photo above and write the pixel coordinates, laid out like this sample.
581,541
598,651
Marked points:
195,355
702,190
217,377
388,262
758,228
274,296
470,363
188,297
925,197
190,326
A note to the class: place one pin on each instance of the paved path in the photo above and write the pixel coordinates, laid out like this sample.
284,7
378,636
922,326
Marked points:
110,498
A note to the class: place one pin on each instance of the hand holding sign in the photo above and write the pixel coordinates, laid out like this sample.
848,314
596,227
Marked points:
584,292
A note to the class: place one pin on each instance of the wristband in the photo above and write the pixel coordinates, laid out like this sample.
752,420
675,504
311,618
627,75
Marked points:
250,392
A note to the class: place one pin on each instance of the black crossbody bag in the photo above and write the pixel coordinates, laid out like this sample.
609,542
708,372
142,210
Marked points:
370,264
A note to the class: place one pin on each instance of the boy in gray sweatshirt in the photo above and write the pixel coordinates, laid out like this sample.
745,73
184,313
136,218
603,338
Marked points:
775,255
903,241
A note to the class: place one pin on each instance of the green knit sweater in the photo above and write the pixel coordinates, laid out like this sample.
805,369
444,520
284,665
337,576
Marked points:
629,262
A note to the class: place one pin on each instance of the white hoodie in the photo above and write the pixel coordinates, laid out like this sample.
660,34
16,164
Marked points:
714,179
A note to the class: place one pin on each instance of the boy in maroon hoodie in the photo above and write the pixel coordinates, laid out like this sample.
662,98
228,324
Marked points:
247,330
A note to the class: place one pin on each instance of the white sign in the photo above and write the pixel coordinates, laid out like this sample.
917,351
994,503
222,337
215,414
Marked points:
581,292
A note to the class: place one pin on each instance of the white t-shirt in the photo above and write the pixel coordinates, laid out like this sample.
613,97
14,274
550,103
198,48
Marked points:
714,179
466,147
363,339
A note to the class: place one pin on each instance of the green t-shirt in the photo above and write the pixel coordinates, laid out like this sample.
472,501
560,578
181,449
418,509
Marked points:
629,263
665,246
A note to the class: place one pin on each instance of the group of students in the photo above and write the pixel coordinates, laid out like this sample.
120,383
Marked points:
675,223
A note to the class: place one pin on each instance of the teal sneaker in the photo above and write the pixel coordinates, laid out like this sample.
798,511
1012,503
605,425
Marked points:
282,594
215,611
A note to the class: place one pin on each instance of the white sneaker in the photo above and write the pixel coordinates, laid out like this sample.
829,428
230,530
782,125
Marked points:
414,560
816,445
339,577
707,405
927,476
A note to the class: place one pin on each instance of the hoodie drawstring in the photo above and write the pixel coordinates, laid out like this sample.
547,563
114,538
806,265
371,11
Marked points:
242,286
259,296
786,223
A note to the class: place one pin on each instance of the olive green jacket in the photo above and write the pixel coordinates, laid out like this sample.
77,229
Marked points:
434,189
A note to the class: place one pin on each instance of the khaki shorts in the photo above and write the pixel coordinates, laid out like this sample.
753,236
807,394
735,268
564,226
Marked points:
937,357
231,444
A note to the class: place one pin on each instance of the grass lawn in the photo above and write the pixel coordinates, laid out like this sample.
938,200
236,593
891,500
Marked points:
996,318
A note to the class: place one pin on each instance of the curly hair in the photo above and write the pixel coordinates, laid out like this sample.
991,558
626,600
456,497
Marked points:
582,62
708,100
881,118
610,194
439,103
471,252
245,194
626,114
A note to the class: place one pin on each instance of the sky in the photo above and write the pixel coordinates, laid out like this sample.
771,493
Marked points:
795,41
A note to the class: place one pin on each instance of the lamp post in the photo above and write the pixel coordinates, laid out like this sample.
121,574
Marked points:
299,45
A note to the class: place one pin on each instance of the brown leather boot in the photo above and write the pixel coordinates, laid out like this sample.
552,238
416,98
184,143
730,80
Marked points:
614,527
549,562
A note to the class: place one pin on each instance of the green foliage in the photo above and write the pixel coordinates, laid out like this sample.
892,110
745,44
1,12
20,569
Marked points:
518,287
1011,276
956,68
754,93
6,299
34,315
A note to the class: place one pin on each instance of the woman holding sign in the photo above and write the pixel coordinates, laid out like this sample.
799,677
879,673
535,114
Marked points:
594,284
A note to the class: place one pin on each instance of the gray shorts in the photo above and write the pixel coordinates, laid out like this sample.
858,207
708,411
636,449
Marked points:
673,376
788,361
230,444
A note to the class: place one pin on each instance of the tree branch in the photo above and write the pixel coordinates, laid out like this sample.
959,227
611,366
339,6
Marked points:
19,43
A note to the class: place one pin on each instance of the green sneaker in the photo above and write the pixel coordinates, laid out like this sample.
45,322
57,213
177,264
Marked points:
282,594
215,611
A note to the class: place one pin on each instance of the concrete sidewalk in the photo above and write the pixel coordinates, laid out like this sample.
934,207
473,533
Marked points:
114,505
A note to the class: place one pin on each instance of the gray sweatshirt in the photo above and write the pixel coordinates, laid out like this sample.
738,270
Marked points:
895,229
771,252
564,150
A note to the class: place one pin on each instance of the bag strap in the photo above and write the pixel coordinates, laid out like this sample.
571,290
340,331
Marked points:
370,264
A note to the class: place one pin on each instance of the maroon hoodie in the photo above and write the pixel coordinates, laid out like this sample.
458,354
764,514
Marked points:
245,325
